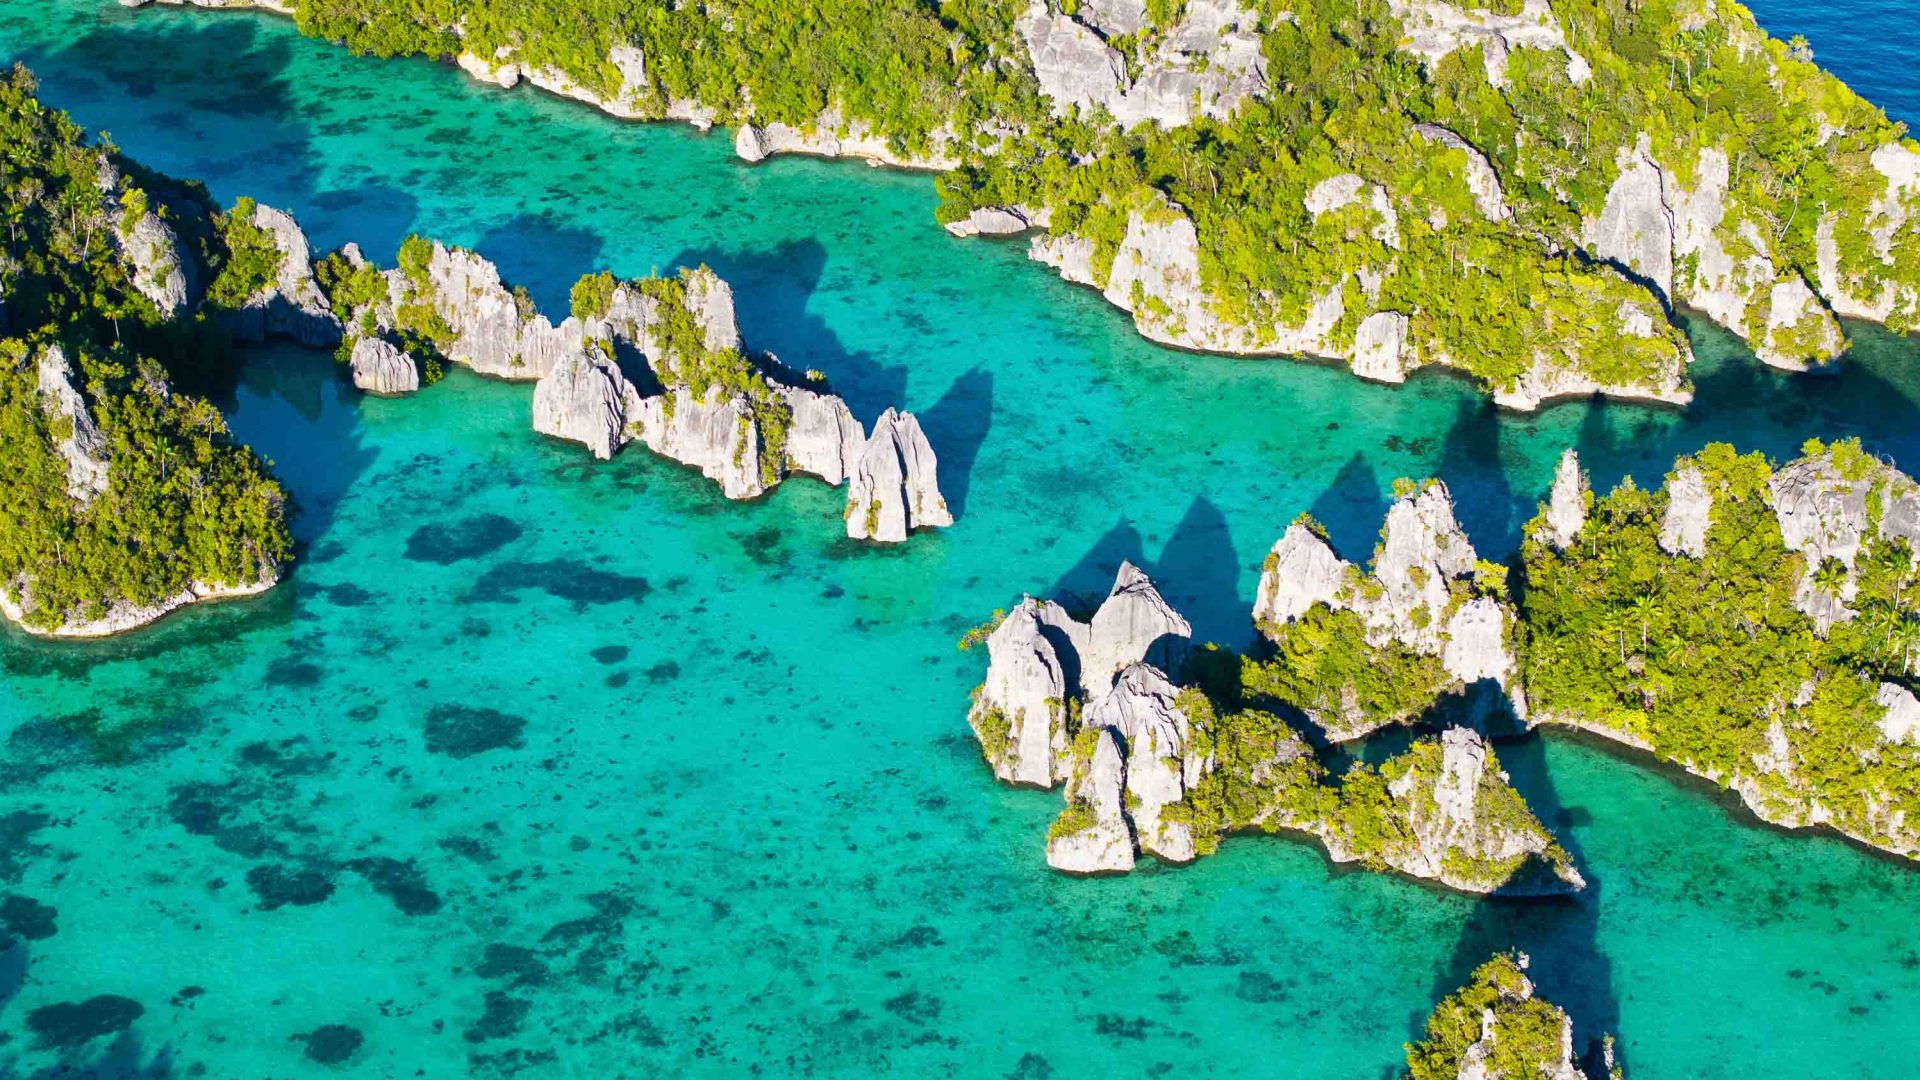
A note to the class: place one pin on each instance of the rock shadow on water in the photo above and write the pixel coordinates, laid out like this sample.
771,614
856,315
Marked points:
772,288
1483,501
1560,935
543,256
956,426
446,543
1351,508
1198,573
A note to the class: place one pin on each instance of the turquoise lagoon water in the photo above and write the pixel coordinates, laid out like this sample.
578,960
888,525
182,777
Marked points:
545,767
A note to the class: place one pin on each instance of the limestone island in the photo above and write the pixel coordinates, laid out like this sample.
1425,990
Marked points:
1527,192
1497,1028
1148,767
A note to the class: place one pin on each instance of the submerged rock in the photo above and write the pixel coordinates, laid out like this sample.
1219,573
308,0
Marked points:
83,446
379,367
895,486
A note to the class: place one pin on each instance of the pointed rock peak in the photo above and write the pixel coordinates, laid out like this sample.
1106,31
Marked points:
1422,531
1520,1037
1135,623
709,300
896,486
1301,571
84,447
1019,712
1567,503
1092,835
1683,529
379,367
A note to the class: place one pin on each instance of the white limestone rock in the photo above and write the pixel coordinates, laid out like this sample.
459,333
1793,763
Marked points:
378,367
1846,289
1476,647
1446,814
1019,712
895,486
999,221
1071,255
1423,548
1566,511
1683,529
1635,228
292,305
1104,842
715,433
1379,347
1788,342
709,300
1434,28
159,271
124,615
494,333
833,135
1823,515
584,398
1552,378
823,438
84,446
1160,771
1133,624
1901,722
1207,64
1300,572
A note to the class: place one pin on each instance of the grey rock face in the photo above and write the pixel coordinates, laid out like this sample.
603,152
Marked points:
1019,713
1423,549
1476,646
998,221
833,135
1850,291
1301,571
1378,346
1823,515
584,399
1567,505
823,438
1488,196
1791,303
1133,624
1159,770
84,447
1433,29
715,434
1901,721
1683,531
378,367
710,302
159,271
1349,189
1105,845
1211,61
1446,812
292,306
896,484
493,336
1635,229
750,144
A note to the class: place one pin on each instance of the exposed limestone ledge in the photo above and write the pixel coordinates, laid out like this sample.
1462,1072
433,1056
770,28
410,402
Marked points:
1568,501
1635,228
1887,216
377,366
1689,513
584,399
1824,514
123,616
832,135
291,305
896,486
999,221
1482,180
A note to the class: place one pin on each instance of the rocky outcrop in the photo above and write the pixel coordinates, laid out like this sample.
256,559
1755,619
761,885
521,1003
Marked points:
1092,835
1635,228
1553,378
494,333
1044,663
1521,1037
823,438
1858,291
1900,723
1800,332
159,270
1205,65
1420,597
1351,189
1823,510
290,306
715,433
999,221
630,99
584,399
1160,770
833,135
1683,528
1566,511
1380,346
1482,181
76,436
1432,29
896,485
377,366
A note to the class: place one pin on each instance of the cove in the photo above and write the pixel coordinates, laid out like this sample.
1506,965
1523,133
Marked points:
544,767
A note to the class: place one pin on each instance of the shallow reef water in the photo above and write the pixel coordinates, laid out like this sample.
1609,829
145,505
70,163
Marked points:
540,766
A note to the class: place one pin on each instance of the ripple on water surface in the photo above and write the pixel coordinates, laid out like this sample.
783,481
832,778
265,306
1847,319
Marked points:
551,767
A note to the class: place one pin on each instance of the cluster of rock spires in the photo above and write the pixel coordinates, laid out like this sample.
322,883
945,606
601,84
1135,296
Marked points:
1421,596
1206,64
1089,704
582,393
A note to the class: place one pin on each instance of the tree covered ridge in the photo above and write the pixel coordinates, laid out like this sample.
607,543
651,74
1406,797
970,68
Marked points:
183,503
1772,158
1495,1027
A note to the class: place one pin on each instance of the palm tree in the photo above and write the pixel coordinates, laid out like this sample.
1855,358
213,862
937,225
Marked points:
1831,577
